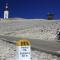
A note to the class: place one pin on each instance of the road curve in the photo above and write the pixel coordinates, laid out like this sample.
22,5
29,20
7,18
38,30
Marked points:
47,46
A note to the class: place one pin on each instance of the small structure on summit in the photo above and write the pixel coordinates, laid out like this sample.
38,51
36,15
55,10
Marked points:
50,16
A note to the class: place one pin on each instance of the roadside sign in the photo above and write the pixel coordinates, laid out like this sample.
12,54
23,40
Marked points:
23,49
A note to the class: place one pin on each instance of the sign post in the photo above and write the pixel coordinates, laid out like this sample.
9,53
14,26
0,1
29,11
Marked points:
23,49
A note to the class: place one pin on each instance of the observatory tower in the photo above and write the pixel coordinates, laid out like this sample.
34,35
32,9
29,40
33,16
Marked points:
6,12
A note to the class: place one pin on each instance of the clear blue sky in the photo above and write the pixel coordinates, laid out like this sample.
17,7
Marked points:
31,8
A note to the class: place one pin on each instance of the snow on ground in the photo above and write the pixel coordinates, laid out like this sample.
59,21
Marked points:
8,52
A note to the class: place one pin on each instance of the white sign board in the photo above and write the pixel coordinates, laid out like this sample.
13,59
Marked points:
23,50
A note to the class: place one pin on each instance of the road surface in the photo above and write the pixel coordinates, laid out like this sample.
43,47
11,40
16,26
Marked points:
47,46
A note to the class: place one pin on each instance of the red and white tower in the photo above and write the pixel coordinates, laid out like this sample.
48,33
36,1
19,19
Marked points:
6,12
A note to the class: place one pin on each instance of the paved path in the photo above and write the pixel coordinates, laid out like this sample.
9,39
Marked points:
47,46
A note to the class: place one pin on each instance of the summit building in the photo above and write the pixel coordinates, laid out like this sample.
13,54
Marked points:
6,12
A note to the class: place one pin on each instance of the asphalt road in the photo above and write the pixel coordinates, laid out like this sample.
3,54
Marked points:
47,46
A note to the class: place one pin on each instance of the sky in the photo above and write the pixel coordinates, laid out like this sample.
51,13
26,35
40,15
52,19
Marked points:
31,9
